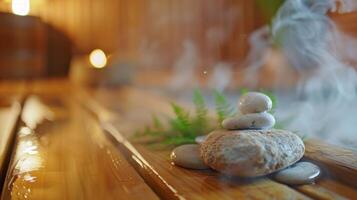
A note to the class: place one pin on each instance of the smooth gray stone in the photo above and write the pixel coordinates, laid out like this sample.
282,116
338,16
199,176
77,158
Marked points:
188,156
298,174
200,139
254,102
249,121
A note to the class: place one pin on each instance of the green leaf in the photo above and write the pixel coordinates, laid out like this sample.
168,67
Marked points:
199,123
181,122
223,108
268,8
157,123
179,141
243,91
183,128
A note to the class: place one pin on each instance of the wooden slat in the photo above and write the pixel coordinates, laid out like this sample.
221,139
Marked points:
341,163
9,113
327,188
11,94
61,153
173,182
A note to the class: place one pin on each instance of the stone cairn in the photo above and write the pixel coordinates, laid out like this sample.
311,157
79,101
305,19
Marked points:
247,146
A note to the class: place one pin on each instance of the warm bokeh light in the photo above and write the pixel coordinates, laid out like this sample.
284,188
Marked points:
21,7
97,58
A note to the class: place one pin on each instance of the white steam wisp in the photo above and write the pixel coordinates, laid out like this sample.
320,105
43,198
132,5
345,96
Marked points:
324,102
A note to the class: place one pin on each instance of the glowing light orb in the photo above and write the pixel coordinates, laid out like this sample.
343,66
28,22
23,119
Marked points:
97,58
20,7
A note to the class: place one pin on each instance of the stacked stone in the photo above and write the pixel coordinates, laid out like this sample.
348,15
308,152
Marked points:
249,147
253,108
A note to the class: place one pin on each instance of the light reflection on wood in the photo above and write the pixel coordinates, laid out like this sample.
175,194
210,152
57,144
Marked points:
79,163
68,158
9,113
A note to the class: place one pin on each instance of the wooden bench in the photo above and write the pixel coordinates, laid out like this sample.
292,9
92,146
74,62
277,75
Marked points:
75,144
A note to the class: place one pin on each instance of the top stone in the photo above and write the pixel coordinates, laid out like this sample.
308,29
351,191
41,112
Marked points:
254,102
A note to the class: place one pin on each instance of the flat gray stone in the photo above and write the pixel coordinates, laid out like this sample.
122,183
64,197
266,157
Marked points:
188,156
298,174
249,121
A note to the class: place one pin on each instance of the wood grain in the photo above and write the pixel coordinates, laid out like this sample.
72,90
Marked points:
9,115
22,47
340,163
11,95
155,29
61,153
172,182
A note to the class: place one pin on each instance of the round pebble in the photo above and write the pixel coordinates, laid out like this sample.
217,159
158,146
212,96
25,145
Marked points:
251,153
254,102
249,121
200,139
188,156
298,174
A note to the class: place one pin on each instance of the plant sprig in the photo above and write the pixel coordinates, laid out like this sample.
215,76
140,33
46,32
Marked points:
184,127
223,108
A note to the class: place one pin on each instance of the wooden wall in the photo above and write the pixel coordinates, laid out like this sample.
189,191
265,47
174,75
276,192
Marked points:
155,30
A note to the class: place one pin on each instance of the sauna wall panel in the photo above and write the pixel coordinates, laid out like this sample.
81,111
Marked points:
155,31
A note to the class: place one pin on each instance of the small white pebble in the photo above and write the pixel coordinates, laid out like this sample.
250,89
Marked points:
254,102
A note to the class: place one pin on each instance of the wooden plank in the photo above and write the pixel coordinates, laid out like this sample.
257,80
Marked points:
61,153
172,182
11,89
327,188
9,114
341,163
11,94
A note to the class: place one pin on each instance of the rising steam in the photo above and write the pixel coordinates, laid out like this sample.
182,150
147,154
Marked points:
324,102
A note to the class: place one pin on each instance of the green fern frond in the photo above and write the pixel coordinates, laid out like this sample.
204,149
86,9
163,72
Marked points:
175,141
181,123
243,91
199,123
223,108
200,105
156,122
183,128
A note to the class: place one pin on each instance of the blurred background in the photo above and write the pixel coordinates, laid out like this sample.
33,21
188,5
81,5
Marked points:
41,38
305,48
